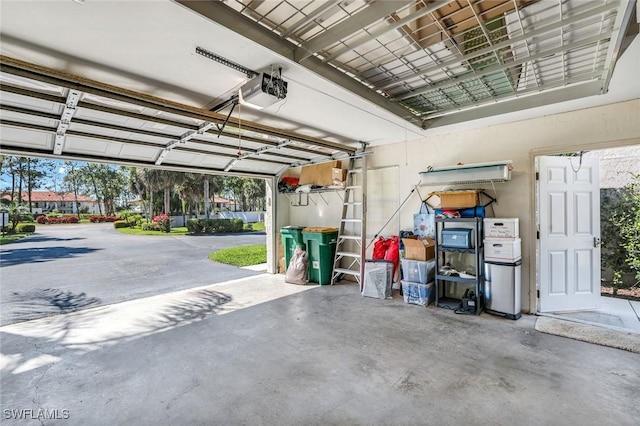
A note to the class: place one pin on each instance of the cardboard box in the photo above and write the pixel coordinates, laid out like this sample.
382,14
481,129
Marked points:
319,174
338,175
501,228
419,249
504,250
457,199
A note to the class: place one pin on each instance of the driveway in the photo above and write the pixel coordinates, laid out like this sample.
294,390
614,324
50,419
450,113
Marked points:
65,268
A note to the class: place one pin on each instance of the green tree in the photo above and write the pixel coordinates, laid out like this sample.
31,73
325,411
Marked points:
620,230
255,191
73,180
629,225
234,185
105,183
191,192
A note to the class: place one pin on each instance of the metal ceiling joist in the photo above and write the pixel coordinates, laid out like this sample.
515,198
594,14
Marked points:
401,77
325,6
223,15
48,75
373,13
397,24
496,68
519,104
622,21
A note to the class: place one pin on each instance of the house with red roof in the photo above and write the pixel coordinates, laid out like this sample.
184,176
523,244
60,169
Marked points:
62,202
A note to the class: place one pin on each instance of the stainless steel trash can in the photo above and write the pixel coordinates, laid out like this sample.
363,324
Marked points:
502,289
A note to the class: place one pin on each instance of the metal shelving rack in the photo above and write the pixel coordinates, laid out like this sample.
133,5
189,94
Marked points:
476,251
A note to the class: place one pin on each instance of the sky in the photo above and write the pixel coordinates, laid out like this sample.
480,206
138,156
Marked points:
48,182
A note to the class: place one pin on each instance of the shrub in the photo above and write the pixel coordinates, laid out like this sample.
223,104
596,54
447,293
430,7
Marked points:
163,221
121,224
620,222
41,219
26,227
131,217
211,226
150,226
99,218
60,219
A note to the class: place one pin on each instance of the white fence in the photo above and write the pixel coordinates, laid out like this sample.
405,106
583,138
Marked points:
247,217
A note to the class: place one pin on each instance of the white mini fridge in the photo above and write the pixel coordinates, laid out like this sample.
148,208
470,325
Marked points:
502,294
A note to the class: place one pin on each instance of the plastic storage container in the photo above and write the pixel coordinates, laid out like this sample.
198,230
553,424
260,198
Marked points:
321,249
418,271
417,294
462,238
378,279
291,237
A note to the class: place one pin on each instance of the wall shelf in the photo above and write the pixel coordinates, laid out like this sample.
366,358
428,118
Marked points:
302,199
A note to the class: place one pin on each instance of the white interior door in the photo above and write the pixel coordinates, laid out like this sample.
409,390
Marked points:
569,226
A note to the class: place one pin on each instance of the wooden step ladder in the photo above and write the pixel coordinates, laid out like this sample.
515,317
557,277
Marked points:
351,243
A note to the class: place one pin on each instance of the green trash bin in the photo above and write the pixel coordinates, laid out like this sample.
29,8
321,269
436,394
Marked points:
291,238
321,249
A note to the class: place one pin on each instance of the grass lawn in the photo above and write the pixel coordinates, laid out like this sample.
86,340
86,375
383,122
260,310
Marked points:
138,231
256,226
241,256
6,239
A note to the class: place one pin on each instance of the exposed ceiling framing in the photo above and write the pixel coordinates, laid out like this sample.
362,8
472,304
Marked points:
436,63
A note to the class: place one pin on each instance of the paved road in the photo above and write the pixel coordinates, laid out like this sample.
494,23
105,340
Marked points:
64,268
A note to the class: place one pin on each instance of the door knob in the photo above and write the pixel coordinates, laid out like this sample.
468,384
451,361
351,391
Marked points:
596,242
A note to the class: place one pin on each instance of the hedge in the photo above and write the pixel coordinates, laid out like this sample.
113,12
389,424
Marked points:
121,224
99,218
211,226
57,219
26,227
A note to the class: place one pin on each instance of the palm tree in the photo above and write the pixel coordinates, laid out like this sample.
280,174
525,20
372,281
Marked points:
189,191
16,211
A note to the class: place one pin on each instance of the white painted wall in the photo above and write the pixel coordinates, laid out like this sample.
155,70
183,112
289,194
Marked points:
599,127
606,126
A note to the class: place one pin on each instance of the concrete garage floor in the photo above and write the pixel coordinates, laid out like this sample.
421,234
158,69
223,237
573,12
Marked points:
259,351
